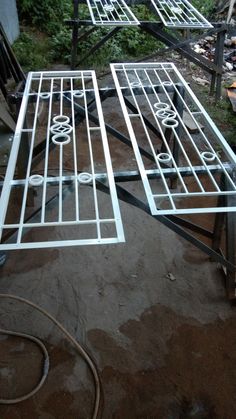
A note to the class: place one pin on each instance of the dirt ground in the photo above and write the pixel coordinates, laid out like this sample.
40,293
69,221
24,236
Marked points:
165,349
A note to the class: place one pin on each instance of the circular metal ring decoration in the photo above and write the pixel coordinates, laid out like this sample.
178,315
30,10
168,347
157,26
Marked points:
36,180
161,105
167,83
45,95
61,139
164,157
108,8
85,178
135,84
177,10
61,119
78,93
208,156
170,122
166,114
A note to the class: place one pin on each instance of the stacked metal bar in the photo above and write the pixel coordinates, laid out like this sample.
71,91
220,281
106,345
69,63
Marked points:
180,14
111,13
192,164
63,186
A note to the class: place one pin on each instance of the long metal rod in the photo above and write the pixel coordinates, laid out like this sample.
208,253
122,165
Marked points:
183,43
186,51
99,44
231,245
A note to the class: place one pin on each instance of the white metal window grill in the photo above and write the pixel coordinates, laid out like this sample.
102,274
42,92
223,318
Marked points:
63,185
111,12
198,161
180,14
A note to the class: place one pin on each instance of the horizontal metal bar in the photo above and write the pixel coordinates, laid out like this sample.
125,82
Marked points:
130,176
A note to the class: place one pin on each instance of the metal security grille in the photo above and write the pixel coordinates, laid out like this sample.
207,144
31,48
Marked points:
63,185
191,167
179,14
111,12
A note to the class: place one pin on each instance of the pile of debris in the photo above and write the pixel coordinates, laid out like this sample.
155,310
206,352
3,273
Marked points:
206,47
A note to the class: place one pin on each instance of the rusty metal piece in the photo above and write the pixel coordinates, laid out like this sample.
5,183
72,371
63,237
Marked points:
231,92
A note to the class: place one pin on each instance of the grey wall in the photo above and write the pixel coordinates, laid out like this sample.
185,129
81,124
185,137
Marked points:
9,18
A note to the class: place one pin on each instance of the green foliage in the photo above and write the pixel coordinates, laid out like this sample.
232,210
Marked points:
222,114
47,15
61,45
128,43
206,7
225,119
31,51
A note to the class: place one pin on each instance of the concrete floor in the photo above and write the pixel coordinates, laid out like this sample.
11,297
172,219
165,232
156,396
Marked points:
165,349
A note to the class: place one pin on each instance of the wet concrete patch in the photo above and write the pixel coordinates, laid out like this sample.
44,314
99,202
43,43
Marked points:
172,368
25,262
55,399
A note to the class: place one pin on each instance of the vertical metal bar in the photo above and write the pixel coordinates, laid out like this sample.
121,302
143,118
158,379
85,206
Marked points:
230,12
23,149
91,160
220,57
74,151
17,68
219,218
75,32
60,183
179,104
213,82
29,163
47,154
231,245
22,160
13,157
218,226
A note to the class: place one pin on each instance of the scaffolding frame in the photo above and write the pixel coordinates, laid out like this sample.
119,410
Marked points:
157,29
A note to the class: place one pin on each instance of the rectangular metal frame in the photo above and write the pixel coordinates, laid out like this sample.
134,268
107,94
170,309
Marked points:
180,14
159,91
45,88
111,13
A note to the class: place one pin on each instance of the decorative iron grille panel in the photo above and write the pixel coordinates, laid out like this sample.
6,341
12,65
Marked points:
63,186
186,149
179,14
111,13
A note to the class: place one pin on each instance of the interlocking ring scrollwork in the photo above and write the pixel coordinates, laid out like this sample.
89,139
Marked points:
109,8
61,129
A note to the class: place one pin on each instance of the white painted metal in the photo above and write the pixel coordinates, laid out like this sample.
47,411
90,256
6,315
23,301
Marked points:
230,12
78,155
180,14
111,13
159,93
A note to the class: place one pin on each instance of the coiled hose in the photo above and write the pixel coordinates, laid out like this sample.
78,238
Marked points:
79,348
